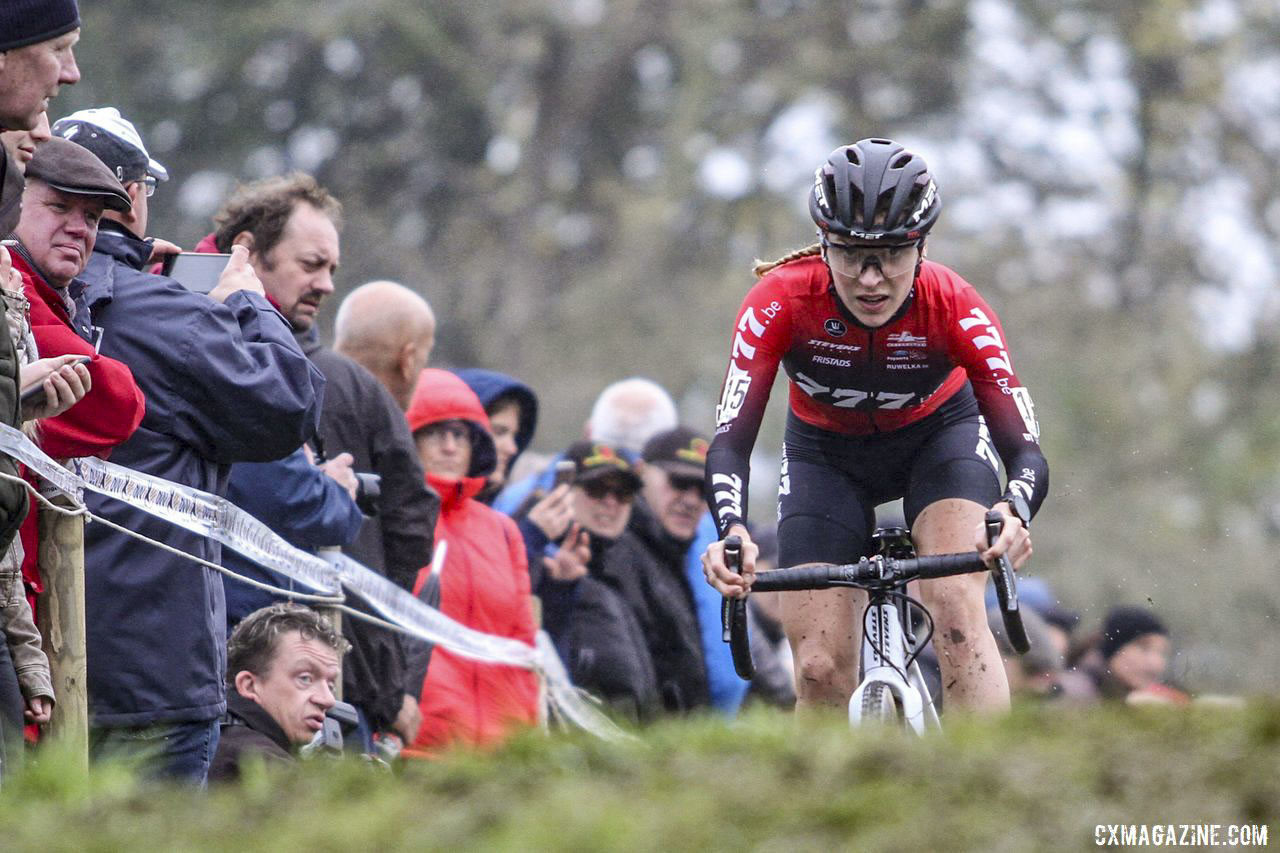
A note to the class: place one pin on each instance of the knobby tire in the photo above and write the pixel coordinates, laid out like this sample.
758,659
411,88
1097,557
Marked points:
878,705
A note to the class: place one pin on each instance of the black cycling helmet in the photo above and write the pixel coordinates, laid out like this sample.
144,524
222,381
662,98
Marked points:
877,190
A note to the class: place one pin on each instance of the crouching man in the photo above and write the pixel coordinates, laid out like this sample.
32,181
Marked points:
282,667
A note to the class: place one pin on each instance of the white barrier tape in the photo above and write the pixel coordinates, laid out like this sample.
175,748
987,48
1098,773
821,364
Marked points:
568,700
424,621
219,519
208,515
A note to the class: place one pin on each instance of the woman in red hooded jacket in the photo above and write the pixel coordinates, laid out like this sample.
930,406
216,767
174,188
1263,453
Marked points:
484,583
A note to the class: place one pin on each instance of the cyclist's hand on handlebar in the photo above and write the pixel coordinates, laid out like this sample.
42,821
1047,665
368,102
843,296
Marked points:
727,582
1014,539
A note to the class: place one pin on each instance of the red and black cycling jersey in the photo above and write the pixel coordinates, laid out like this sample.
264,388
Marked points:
860,381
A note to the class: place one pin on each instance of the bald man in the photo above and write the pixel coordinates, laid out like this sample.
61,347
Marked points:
630,412
390,331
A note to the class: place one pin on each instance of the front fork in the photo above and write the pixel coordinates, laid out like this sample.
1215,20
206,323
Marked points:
884,661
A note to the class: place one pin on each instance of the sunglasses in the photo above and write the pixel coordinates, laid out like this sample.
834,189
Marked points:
852,259
598,490
685,483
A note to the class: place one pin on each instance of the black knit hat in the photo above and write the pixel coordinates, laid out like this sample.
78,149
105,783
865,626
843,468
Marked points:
24,22
1125,624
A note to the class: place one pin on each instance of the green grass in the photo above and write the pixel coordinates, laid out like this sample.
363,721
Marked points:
1039,779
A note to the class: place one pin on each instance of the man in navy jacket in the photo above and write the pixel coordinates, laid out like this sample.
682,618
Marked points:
225,382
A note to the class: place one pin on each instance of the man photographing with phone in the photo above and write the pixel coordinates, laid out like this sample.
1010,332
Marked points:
225,383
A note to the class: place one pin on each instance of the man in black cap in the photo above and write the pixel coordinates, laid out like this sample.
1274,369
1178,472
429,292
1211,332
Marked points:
648,565
225,383
1135,648
36,40
589,618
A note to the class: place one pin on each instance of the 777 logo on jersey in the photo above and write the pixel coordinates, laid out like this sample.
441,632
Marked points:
851,398
988,337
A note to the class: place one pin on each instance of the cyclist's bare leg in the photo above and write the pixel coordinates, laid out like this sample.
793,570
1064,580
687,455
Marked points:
973,676
825,629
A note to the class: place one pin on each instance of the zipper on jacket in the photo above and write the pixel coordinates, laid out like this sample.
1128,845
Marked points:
872,391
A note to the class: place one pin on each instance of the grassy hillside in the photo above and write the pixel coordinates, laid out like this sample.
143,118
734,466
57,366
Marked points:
1040,779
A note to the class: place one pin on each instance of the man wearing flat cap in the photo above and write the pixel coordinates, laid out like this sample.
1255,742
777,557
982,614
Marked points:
68,188
36,58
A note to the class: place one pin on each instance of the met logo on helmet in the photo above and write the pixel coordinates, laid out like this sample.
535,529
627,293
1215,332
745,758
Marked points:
821,193
927,198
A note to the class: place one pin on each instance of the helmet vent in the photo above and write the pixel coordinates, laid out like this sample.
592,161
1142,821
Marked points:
853,155
901,161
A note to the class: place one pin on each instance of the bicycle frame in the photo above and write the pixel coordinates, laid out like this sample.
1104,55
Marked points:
887,641
885,650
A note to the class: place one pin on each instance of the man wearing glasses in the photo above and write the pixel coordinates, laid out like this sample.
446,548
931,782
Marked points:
225,382
116,142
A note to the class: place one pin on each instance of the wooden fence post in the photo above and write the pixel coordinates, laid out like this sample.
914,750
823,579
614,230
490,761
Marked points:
61,620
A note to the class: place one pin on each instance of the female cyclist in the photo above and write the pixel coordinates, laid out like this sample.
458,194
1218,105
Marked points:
901,386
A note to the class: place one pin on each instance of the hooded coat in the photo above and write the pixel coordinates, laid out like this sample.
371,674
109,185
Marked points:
489,385
484,584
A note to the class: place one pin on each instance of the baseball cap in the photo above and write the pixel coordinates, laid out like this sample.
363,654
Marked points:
595,460
680,451
114,139
71,169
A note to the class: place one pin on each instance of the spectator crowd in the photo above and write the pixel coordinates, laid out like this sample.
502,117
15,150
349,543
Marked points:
362,447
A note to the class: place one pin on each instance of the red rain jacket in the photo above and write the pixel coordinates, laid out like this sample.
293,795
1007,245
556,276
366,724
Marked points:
484,585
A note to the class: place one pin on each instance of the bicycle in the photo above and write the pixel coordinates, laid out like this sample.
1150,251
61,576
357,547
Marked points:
892,689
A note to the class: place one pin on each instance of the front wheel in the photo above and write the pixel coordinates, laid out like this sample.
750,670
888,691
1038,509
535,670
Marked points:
878,705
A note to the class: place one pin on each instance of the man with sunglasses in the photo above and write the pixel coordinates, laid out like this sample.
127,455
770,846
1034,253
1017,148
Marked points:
902,386
647,565
593,626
